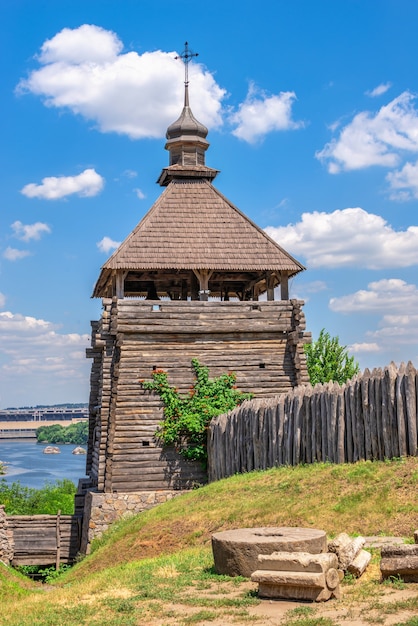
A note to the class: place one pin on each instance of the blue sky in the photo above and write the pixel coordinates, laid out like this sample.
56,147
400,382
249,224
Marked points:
313,122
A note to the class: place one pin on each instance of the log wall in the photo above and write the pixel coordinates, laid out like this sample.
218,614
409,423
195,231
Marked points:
373,416
261,341
44,539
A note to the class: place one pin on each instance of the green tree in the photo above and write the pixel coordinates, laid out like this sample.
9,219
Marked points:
328,360
187,417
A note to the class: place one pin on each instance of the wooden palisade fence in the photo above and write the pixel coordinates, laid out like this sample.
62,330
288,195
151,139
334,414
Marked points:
372,416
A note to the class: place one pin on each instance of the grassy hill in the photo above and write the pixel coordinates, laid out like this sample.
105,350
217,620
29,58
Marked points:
157,568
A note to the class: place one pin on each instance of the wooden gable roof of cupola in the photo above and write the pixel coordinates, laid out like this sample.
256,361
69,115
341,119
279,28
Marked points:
193,241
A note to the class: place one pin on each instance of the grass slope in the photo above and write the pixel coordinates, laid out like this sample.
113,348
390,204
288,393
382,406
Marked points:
157,568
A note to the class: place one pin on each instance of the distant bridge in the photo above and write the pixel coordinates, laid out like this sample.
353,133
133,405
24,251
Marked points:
22,423
27,429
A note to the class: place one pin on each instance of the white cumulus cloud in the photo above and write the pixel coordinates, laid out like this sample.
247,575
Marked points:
374,138
349,237
379,90
13,254
26,232
107,244
261,114
396,328
86,70
393,302
10,322
404,182
38,361
359,348
86,43
88,183
389,296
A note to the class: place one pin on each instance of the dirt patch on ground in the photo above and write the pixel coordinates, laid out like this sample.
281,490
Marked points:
387,607
281,612
366,600
380,603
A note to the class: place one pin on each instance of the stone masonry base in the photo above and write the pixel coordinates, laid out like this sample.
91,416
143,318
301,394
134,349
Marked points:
102,509
6,539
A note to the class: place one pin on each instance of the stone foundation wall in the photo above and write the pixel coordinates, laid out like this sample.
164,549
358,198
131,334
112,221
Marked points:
102,509
6,539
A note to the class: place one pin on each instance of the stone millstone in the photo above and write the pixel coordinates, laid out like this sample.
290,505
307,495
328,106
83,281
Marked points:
235,552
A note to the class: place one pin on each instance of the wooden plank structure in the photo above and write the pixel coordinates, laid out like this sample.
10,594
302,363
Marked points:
262,345
186,283
45,539
374,416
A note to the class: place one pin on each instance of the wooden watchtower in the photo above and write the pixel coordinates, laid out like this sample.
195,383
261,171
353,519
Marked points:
185,283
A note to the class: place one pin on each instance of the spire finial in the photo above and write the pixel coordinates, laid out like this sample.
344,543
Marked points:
186,56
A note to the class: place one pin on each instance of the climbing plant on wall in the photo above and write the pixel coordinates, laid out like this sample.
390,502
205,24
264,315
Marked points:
187,416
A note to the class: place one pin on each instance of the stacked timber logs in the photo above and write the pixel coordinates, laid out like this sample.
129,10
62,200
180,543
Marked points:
102,352
44,539
262,342
373,416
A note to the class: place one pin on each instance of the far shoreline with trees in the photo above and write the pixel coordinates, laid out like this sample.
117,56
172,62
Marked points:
74,433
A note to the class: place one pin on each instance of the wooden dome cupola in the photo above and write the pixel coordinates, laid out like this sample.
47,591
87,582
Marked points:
194,243
187,145
186,137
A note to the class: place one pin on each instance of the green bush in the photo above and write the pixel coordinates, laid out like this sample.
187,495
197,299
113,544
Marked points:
42,573
187,417
53,497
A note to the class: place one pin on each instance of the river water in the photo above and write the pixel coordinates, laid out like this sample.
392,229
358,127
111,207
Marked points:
25,462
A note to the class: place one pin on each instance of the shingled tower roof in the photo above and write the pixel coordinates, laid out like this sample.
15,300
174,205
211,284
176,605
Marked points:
193,241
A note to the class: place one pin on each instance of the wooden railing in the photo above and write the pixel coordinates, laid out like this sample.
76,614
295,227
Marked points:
373,416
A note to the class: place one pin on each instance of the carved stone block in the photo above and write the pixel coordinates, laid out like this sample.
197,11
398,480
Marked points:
298,576
347,551
400,561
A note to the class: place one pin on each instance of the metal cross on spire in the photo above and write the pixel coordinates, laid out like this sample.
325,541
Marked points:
186,56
